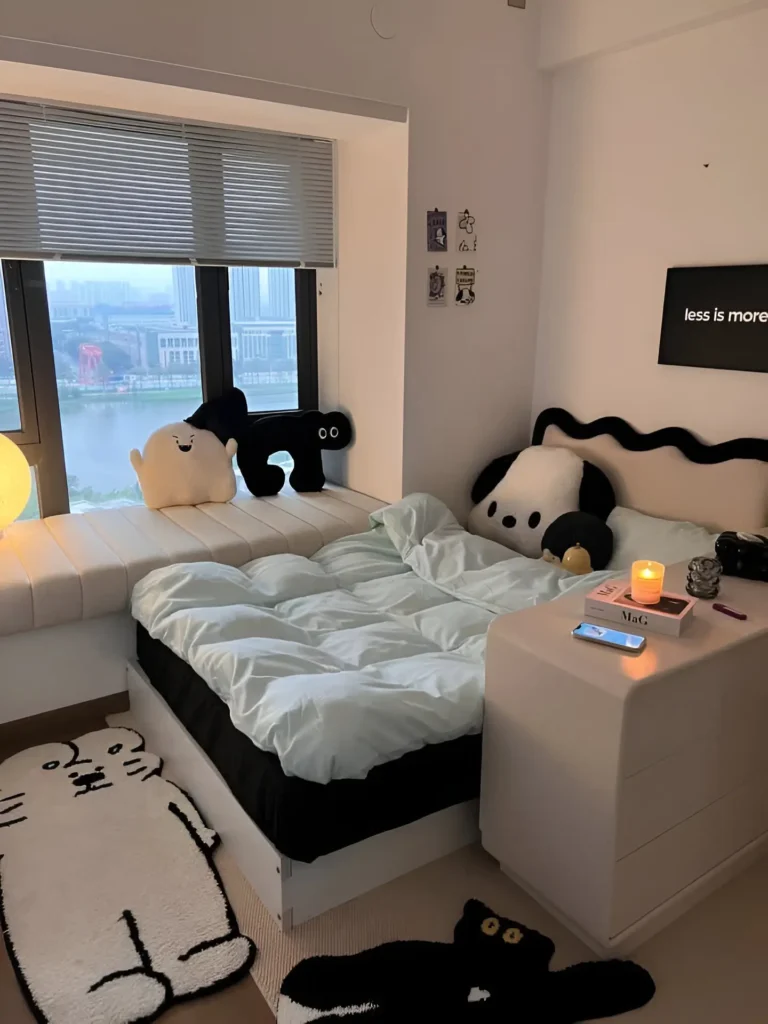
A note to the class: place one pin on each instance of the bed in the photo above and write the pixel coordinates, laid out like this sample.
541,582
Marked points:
305,820
310,831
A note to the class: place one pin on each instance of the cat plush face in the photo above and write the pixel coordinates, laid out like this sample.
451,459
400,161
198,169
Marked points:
496,937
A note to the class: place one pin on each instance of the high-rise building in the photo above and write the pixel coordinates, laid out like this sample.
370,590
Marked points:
244,299
278,296
104,293
185,296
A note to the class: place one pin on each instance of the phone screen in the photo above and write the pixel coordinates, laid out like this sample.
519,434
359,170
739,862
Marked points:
604,635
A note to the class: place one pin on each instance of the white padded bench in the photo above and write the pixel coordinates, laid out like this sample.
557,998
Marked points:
82,566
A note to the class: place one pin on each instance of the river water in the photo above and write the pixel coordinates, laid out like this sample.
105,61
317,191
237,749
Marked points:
99,435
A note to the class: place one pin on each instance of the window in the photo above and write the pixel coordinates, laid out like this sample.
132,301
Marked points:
126,355
10,414
113,378
262,313
147,264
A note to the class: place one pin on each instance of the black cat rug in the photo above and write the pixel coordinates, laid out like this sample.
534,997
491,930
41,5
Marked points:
496,970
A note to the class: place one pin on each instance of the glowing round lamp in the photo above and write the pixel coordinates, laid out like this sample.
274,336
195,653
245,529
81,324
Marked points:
15,482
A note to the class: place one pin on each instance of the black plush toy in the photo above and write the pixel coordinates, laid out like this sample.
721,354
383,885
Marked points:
496,970
518,497
578,531
226,416
303,435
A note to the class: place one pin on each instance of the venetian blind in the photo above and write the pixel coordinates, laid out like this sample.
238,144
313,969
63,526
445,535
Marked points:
81,184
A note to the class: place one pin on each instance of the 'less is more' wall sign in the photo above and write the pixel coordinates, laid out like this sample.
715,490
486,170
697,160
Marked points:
716,317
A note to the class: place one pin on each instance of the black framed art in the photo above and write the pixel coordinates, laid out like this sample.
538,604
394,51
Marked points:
716,317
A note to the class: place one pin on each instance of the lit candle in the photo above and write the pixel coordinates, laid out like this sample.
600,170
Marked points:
647,582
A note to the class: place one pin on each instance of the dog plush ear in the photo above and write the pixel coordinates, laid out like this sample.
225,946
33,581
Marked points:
596,494
225,416
492,476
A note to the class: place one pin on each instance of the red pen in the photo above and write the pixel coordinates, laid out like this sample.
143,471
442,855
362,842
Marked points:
729,611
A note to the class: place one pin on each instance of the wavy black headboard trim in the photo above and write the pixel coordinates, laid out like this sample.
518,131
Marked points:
677,437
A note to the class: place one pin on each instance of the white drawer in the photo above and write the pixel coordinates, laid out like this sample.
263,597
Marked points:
671,712
658,798
653,874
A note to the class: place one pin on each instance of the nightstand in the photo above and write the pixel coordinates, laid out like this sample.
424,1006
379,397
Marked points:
619,789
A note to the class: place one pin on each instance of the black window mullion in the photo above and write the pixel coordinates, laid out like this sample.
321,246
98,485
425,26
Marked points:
28,433
51,468
214,330
306,338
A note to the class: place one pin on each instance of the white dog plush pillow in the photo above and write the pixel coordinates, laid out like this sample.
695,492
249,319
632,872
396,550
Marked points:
182,465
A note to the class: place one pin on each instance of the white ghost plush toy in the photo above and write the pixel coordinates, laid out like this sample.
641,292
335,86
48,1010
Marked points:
182,465
110,902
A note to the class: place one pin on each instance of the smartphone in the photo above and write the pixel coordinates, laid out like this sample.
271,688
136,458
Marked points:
610,637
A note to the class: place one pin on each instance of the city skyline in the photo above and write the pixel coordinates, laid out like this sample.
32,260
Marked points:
255,293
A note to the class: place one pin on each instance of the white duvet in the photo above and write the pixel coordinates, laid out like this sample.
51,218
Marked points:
371,649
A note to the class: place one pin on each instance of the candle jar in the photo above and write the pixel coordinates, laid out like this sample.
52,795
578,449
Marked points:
647,582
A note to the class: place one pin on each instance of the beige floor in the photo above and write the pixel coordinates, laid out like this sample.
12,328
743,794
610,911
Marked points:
710,966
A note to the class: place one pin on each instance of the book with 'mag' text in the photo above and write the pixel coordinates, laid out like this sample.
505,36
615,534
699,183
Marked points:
612,600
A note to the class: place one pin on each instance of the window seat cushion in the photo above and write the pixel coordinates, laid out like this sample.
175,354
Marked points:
80,566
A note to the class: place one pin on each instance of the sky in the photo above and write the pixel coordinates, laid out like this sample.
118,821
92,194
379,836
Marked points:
142,275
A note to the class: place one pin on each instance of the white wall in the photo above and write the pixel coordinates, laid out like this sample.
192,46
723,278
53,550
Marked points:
477,130
575,29
628,197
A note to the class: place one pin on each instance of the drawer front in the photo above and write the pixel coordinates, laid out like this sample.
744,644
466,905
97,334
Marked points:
667,793
672,712
657,871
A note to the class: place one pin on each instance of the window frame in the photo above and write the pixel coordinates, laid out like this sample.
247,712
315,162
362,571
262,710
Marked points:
41,439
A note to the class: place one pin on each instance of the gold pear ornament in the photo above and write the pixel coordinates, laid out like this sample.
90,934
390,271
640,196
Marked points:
577,560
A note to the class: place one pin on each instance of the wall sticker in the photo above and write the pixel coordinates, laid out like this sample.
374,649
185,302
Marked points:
465,286
437,231
437,286
466,235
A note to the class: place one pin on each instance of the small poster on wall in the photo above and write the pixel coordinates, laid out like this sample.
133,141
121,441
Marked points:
466,235
716,317
437,286
465,286
437,231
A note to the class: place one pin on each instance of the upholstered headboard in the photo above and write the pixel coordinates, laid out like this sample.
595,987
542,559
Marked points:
670,473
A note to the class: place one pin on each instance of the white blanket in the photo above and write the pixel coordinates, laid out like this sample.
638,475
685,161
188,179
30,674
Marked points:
371,649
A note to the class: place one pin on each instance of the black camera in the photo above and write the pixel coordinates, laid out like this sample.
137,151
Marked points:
743,554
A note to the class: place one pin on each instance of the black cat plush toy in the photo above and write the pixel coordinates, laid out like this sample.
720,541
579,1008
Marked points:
303,435
496,971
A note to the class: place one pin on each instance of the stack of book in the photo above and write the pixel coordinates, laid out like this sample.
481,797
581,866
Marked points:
612,600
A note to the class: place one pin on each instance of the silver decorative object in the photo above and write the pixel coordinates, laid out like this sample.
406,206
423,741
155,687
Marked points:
704,577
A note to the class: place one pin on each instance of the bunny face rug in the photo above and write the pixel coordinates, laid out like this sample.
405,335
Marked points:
111,906
184,465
